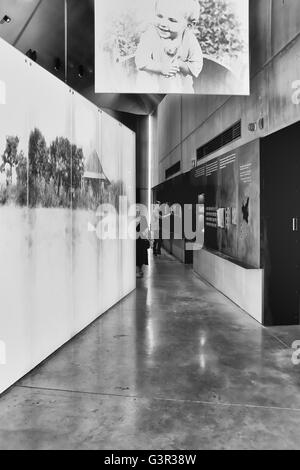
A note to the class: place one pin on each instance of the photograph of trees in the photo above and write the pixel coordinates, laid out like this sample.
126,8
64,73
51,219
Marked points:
53,176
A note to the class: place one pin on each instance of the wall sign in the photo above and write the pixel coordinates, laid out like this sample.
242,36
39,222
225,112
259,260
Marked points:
231,185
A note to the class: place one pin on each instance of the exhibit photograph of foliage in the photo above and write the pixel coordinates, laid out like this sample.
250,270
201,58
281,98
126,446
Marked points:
218,31
13,169
53,175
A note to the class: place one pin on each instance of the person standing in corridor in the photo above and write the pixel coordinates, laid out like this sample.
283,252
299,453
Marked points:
142,243
156,226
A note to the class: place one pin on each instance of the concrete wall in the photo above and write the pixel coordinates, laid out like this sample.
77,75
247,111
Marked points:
142,162
176,248
243,286
187,122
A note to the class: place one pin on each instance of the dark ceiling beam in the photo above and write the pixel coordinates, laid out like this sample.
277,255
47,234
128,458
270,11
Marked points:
27,23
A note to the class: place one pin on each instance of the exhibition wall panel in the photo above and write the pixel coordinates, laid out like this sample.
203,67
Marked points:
231,188
111,248
61,160
15,332
128,144
86,247
48,211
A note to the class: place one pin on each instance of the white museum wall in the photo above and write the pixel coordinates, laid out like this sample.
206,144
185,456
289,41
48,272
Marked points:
85,245
49,282
56,275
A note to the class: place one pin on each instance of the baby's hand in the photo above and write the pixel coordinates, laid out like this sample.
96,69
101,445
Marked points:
170,70
183,67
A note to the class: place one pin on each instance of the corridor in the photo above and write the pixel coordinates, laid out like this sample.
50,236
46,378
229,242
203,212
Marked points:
175,365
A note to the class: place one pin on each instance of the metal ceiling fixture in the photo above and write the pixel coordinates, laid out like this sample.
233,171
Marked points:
5,19
80,71
57,64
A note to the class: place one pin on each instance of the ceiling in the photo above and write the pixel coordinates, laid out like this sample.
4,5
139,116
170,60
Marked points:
39,25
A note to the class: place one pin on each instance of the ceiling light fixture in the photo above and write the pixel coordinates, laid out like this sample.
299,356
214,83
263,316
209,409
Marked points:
5,19
57,64
80,71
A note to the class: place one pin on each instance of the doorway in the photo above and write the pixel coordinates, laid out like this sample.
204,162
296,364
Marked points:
280,222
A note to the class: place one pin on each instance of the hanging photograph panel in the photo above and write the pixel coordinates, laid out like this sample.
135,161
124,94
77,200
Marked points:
163,46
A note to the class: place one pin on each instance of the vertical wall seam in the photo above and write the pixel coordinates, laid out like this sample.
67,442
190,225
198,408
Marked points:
181,132
66,40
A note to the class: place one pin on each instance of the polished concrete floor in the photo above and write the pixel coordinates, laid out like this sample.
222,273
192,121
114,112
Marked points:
174,366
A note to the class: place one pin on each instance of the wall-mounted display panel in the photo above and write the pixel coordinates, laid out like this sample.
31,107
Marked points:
231,188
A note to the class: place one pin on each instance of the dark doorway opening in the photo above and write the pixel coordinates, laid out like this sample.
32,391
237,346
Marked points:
280,213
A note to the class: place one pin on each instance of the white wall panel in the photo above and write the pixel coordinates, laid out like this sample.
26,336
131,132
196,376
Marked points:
15,332
85,245
60,158
50,235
